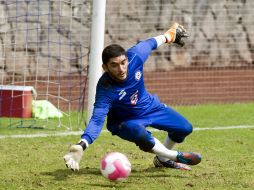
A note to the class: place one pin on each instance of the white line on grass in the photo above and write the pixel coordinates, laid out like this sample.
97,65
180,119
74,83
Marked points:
67,133
225,128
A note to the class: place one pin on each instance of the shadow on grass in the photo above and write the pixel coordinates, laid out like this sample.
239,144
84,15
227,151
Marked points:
111,184
151,172
63,174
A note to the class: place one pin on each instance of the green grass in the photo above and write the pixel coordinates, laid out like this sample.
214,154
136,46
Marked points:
219,115
37,163
69,122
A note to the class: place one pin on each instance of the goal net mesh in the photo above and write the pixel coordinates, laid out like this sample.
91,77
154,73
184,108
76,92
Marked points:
44,44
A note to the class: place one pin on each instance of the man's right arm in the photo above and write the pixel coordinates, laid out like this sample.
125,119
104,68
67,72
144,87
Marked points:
101,108
103,102
95,124
75,154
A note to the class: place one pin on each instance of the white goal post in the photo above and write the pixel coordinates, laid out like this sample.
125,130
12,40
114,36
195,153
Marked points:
97,43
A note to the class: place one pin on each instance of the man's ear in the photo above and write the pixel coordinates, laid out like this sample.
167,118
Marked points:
105,67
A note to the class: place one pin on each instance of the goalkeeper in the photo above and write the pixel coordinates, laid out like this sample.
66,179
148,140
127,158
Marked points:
122,97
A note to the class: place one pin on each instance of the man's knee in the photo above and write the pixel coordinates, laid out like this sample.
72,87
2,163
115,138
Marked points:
144,140
180,135
141,137
188,129
145,144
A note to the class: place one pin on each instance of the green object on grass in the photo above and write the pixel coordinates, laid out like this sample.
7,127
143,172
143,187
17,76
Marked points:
43,109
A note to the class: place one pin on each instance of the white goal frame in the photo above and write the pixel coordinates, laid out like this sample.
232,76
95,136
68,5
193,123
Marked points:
97,44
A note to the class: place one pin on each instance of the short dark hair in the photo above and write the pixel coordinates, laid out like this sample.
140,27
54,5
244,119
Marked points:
111,51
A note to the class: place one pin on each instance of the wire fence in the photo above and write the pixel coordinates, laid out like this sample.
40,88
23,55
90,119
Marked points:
215,66
45,44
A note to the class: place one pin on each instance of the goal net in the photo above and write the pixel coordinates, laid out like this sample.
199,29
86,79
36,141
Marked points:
217,63
44,45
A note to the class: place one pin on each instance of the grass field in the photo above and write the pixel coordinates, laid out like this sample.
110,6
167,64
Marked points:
37,163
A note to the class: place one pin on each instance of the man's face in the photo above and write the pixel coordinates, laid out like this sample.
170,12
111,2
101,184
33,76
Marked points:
117,68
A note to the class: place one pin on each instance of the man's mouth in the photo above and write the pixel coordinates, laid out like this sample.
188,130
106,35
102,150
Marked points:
122,75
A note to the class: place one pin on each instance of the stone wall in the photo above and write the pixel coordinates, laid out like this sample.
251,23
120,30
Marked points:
46,44
221,31
47,37
44,37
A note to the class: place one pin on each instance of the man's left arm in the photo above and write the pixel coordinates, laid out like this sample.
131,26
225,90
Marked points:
175,34
144,48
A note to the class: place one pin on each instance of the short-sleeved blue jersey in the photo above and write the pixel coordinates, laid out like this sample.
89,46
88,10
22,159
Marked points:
124,100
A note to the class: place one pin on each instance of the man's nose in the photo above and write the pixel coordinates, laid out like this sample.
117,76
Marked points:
121,68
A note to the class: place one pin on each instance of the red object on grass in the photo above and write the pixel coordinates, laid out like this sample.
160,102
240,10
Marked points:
16,101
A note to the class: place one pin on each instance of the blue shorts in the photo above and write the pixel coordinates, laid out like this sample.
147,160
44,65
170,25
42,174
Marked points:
164,118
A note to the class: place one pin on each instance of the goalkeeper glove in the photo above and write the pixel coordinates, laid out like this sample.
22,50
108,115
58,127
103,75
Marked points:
74,156
175,34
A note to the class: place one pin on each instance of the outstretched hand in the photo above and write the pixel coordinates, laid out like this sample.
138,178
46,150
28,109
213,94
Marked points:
73,158
176,34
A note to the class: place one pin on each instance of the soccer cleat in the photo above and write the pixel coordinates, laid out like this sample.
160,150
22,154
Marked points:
170,164
190,158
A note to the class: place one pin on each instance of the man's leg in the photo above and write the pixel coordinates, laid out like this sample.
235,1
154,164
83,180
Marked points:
134,131
166,157
169,144
178,128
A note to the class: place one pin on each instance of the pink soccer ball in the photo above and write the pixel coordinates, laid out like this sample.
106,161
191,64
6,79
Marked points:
115,166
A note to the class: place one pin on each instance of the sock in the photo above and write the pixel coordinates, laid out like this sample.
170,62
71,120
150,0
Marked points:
169,143
161,39
162,152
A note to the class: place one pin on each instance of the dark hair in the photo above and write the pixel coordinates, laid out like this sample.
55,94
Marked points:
111,51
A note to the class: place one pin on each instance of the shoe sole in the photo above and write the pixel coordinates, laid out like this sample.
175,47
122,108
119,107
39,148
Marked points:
170,164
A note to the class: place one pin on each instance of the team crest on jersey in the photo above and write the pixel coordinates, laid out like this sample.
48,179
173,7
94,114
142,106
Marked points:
138,75
134,98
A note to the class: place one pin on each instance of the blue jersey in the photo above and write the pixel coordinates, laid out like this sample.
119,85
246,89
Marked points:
124,100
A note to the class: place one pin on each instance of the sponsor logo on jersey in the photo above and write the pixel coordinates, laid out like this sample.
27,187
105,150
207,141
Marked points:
122,94
134,98
138,75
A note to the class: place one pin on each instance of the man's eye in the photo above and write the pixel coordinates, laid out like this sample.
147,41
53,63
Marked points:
113,65
124,62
